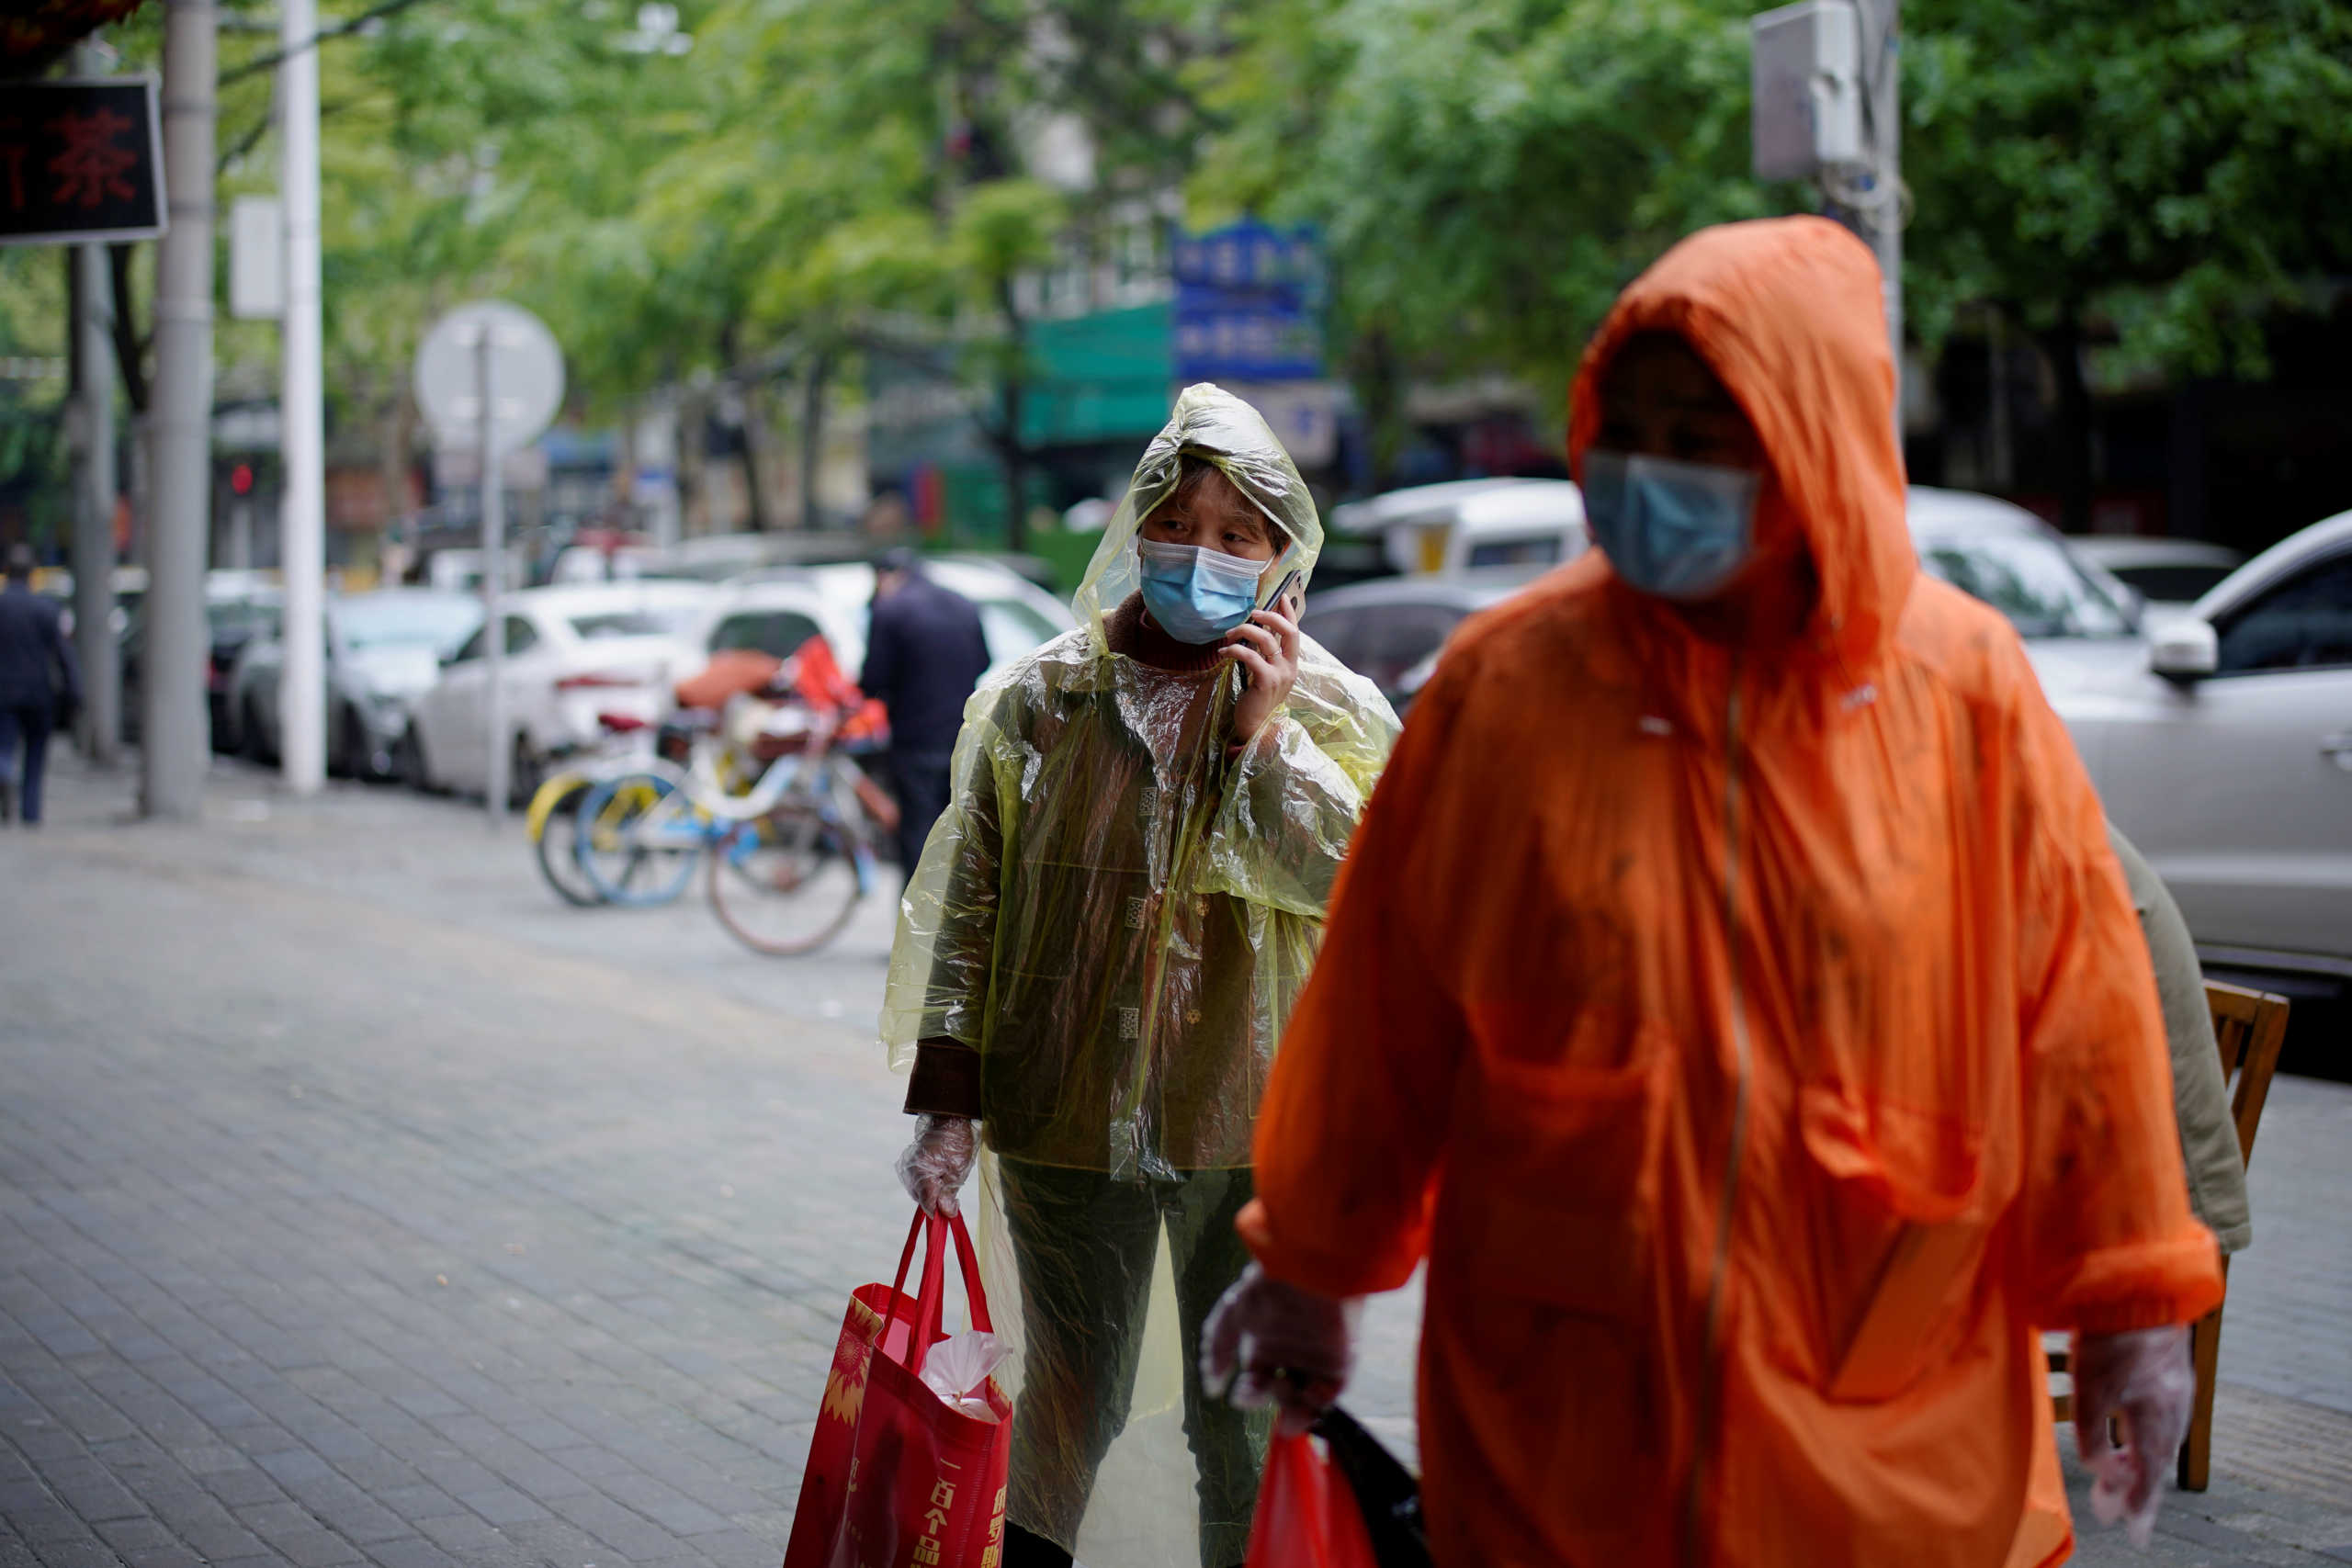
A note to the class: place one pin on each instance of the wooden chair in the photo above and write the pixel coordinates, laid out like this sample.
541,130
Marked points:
2248,1029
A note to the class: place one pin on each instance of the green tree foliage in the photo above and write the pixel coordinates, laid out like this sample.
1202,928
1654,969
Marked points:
2176,168
34,461
1491,172
1488,172
780,185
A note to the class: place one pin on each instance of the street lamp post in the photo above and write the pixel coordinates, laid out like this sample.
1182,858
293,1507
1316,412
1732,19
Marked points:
493,547
176,748
303,707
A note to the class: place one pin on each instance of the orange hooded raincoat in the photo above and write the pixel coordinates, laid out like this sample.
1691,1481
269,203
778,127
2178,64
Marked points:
1760,1046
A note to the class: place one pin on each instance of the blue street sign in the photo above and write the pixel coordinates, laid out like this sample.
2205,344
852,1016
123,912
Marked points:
1248,304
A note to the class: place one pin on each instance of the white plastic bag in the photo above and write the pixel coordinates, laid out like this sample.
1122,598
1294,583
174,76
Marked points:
958,1371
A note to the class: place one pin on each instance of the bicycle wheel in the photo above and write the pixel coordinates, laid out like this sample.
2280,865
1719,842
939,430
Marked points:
634,848
784,882
555,839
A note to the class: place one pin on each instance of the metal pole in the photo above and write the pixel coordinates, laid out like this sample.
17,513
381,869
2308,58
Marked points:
493,547
1885,87
175,751
93,637
302,701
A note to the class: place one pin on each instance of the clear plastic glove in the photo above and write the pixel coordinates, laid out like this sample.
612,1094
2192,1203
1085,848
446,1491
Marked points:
1290,1347
2143,1379
936,1164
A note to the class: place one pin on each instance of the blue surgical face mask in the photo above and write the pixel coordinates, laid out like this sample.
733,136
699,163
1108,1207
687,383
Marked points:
1197,594
1678,530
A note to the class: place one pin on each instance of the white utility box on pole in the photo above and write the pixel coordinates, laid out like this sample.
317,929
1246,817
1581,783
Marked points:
1825,77
1805,73
256,259
302,693
489,379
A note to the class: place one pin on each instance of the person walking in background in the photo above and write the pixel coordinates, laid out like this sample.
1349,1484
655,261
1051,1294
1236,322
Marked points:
40,686
924,653
1768,1052
2209,1132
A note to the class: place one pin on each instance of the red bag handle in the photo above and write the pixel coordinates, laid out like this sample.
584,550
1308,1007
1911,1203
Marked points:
930,1294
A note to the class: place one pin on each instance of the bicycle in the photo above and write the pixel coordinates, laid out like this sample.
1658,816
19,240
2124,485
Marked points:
790,860
552,820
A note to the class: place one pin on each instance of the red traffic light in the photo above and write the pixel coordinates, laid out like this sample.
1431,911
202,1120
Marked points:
241,478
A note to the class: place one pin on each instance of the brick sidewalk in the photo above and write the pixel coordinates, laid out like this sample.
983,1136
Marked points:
358,1205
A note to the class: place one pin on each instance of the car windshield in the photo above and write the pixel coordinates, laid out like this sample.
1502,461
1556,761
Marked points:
624,623
402,621
1012,628
2172,584
2028,578
229,617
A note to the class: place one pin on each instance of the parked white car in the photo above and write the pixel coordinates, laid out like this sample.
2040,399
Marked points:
1472,524
571,655
2227,756
777,611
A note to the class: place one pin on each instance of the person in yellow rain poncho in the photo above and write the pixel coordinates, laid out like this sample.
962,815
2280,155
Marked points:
1095,957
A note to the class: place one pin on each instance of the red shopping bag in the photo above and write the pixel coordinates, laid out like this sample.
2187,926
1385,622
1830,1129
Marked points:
1307,1516
897,1477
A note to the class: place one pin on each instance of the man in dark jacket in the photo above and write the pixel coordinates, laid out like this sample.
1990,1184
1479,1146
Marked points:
38,674
923,656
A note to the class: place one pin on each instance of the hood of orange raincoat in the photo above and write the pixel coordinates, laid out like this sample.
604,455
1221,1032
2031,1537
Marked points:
1789,314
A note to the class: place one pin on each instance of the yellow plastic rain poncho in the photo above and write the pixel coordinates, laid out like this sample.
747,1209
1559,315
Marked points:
1117,912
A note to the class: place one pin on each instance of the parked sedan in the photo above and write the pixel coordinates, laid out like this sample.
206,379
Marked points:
2226,755
383,649
571,654
238,607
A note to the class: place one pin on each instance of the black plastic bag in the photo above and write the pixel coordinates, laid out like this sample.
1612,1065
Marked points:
1388,1495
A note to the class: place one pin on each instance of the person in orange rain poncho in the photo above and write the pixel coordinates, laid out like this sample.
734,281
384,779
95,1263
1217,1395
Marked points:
1731,993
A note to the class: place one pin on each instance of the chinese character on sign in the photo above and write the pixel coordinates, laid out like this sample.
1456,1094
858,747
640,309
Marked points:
90,165
80,161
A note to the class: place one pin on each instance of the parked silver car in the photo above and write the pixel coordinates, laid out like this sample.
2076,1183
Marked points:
2226,755
383,649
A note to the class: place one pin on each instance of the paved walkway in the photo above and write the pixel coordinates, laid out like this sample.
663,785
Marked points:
359,1204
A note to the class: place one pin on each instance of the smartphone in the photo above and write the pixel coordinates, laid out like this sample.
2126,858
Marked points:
1281,590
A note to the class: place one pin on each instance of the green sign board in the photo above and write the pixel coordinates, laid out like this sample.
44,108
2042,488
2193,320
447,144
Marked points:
1106,376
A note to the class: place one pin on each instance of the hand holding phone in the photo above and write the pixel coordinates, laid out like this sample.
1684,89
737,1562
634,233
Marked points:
1265,647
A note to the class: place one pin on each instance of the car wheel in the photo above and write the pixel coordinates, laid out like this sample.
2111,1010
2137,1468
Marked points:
408,760
249,737
353,758
524,772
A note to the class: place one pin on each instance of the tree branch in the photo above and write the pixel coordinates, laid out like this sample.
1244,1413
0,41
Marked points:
375,13
244,144
130,348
